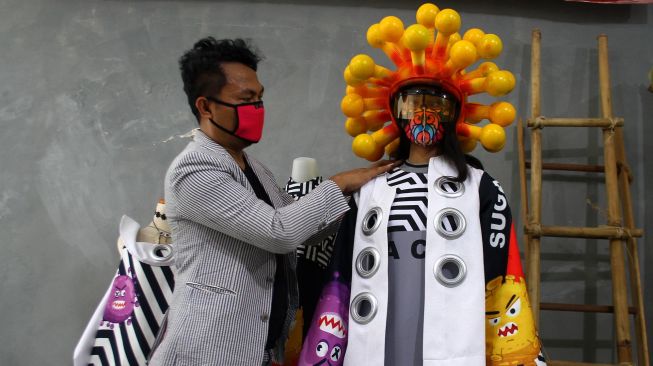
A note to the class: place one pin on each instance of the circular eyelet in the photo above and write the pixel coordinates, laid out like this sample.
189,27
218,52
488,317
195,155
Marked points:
450,223
447,187
372,221
368,262
450,270
161,252
363,308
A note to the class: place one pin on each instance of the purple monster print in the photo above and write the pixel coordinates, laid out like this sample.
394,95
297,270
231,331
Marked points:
121,302
326,340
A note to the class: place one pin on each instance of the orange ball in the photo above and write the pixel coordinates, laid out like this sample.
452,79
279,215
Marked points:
374,36
502,113
474,35
462,54
500,83
355,126
392,28
362,67
489,46
493,137
417,37
365,147
350,79
352,105
426,15
447,21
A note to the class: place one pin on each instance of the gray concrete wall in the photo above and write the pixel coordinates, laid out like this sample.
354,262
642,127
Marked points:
91,106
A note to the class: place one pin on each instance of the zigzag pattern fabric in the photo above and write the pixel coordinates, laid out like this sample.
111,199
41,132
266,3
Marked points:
321,253
123,337
409,209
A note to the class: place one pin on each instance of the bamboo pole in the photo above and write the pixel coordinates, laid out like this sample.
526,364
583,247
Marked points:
602,232
521,152
619,293
629,222
568,363
570,167
583,308
536,180
575,122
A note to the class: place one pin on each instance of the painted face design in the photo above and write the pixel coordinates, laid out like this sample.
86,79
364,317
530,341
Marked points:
326,340
425,128
121,302
509,330
422,111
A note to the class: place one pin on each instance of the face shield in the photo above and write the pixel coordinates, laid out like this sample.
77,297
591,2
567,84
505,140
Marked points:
423,110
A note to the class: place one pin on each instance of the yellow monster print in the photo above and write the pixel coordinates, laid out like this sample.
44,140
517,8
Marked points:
510,335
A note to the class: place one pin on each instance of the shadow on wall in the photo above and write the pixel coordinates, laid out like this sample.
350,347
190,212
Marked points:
560,11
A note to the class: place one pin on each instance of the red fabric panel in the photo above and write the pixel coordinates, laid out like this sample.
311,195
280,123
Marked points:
514,262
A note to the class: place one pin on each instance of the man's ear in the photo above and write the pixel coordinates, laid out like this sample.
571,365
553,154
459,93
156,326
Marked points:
202,105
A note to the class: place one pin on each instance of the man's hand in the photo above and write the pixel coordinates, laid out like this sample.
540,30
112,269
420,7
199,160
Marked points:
350,181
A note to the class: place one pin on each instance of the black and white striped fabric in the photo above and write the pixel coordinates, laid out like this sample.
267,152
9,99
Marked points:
409,209
130,313
320,253
299,189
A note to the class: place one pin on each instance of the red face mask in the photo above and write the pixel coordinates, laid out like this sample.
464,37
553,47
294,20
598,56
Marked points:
249,120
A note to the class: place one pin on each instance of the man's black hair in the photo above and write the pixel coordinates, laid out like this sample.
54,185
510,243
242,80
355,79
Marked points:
201,69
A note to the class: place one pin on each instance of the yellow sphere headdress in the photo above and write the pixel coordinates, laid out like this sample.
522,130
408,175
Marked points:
433,51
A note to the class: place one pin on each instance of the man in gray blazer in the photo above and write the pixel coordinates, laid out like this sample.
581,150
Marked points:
235,231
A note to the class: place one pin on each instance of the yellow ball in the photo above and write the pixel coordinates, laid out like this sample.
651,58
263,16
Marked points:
426,15
467,145
352,105
488,67
502,113
362,67
454,38
474,35
392,28
493,137
416,37
350,79
355,126
499,83
447,21
374,36
365,147
489,46
462,54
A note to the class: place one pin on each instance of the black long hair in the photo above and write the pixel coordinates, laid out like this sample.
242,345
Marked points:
449,148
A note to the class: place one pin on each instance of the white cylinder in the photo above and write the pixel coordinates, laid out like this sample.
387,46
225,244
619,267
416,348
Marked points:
304,169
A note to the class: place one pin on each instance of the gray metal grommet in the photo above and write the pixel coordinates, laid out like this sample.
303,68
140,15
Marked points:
447,187
161,252
363,308
450,223
450,270
372,220
368,262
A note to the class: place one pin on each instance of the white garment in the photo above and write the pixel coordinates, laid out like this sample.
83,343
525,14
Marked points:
102,342
454,317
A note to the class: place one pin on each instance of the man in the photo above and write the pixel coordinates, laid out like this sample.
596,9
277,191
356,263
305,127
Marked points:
235,231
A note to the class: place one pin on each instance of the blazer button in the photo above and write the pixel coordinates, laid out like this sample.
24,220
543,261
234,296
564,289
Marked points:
321,226
265,317
269,280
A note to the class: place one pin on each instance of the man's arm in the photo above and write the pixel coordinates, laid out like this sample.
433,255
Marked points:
207,193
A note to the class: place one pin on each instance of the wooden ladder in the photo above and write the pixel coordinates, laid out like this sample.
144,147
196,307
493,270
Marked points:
618,232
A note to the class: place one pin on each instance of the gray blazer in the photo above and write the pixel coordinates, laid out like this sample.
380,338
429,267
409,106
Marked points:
225,239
